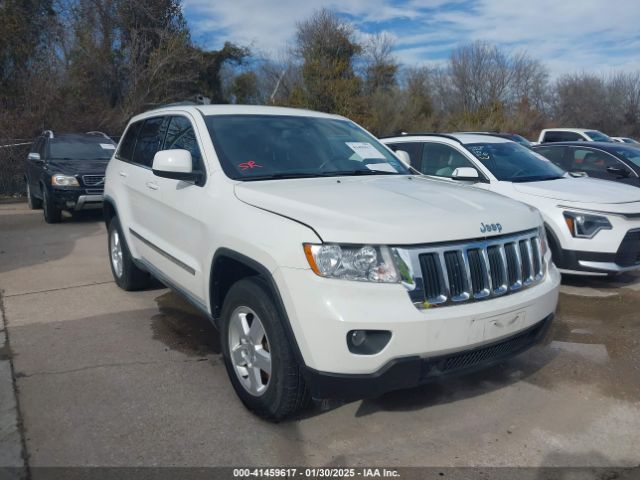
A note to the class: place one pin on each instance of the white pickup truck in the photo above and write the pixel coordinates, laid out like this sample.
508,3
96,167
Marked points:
328,267
572,135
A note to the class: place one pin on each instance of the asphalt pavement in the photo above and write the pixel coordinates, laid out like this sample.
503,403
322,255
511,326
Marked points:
110,378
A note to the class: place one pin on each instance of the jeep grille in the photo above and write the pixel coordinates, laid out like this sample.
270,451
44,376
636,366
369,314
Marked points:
452,273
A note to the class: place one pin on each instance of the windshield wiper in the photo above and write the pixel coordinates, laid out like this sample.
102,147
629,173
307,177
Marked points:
535,179
346,173
342,173
280,176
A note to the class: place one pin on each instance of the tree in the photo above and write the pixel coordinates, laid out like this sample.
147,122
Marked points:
327,48
381,67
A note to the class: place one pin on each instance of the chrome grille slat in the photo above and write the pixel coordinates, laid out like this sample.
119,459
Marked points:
93,180
475,270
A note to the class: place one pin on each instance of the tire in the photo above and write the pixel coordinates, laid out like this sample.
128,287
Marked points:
282,392
52,214
33,202
125,272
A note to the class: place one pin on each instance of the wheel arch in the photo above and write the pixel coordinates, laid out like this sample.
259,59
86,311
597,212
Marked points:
554,244
228,267
109,210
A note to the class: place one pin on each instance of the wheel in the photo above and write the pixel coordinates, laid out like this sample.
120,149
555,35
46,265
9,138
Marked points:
34,203
52,214
257,354
125,272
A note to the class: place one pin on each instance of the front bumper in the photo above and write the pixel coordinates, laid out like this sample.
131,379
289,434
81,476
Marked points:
625,259
75,200
323,311
413,371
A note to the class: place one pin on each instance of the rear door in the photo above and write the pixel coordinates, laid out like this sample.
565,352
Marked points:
143,192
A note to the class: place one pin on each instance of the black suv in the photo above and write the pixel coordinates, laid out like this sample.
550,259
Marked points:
66,172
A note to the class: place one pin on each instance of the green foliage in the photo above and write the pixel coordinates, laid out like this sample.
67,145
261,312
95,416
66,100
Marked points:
327,49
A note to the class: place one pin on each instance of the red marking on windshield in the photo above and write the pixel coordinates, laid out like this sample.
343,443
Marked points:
248,165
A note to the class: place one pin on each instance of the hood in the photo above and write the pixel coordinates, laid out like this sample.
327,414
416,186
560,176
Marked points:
392,210
581,190
78,167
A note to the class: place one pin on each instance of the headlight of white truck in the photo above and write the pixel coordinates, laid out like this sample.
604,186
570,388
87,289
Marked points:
365,263
584,225
64,180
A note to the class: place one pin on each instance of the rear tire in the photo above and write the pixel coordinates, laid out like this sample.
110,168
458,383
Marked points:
125,272
34,203
52,214
253,341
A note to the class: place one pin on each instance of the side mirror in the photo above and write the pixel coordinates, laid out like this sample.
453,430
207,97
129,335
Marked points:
34,157
620,172
404,156
465,173
175,164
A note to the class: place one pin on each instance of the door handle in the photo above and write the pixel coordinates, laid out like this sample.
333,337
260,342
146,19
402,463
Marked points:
152,186
122,174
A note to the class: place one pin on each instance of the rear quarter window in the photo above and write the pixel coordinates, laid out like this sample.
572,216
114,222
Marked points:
125,151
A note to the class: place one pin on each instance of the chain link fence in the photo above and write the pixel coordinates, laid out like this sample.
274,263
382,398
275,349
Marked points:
12,163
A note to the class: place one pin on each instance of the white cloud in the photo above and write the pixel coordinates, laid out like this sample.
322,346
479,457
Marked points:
590,35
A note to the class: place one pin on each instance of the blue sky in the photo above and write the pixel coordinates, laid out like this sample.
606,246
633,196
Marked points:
567,35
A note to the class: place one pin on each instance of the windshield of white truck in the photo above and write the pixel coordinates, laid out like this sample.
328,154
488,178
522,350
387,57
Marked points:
511,162
268,147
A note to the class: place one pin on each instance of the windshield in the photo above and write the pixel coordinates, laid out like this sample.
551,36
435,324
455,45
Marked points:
598,136
263,147
630,153
60,149
629,140
520,139
511,162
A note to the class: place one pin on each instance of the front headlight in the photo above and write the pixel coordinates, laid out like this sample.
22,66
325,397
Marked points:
64,180
583,225
365,263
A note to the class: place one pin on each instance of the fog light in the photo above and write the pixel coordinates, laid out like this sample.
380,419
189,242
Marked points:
367,342
358,337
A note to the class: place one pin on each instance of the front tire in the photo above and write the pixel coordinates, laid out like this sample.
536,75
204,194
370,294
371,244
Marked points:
52,214
257,354
125,272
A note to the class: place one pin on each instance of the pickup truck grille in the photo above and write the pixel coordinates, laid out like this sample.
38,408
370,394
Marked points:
475,270
93,180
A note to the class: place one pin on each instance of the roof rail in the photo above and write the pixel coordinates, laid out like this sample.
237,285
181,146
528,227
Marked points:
95,132
426,134
196,100
48,133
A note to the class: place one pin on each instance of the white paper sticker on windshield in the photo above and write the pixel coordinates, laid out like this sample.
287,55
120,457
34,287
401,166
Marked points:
108,146
364,150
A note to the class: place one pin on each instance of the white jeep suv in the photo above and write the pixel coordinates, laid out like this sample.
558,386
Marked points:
328,268
593,225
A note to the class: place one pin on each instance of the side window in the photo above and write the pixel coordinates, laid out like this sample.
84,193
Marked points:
149,141
180,134
441,160
414,149
562,137
555,154
125,152
594,162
